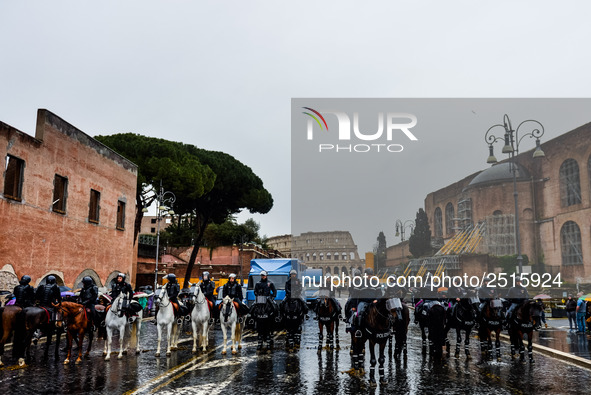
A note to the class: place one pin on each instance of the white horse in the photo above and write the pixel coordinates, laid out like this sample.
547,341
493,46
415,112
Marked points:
115,320
229,319
165,319
199,318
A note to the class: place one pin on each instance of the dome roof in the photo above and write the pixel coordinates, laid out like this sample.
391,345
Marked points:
499,173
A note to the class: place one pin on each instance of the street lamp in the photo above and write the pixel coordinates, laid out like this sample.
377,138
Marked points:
163,199
511,146
401,226
240,249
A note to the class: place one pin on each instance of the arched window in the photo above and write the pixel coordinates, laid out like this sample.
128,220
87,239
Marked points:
438,223
327,270
497,213
570,244
449,219
570,185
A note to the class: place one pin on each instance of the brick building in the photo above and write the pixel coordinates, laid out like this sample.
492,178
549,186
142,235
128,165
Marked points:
554,196
67,205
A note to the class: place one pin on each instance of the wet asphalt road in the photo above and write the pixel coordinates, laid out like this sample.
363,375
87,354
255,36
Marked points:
280,372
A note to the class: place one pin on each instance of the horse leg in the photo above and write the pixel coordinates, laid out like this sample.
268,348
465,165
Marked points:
224,332
80,345
121,340
69,336
498,344
169,341
530,347
195,334
329,335
336,332
467,344
424,338
521,347
320,337
372,364
138,331
107,350
381,361
458,342
159,328
90,339
233,338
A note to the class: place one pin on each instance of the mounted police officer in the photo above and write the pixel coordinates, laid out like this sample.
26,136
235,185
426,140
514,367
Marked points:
234,291
119,286
486,293
49,295
293,290
208,287
353,301
266,288
173,289
24,293
327,288
516,295
367,295
88,297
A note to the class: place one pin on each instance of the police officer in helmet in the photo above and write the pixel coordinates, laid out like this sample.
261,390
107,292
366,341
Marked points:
234,290
265,287
24,293
293,290
49,295
208,287
88,297
119,286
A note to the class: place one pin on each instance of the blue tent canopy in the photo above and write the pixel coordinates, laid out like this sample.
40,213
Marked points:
272,266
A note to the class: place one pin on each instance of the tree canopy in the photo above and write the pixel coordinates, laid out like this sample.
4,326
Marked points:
210,186
419,243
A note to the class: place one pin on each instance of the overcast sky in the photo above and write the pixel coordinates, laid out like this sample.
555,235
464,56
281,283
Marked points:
221,75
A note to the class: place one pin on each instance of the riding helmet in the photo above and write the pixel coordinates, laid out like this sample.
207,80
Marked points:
292,271
87,280
51,280
369,271
232,275
25,280
122,275
206,274
171,277
263,273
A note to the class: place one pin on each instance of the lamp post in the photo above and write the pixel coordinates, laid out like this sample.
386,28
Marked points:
163,199
401,226
242,239
511,141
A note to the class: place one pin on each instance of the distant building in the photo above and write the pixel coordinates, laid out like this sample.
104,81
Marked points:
334,252
67,205
554,196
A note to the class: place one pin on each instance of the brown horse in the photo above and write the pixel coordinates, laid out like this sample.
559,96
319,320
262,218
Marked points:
376,324
328,317
8,317
78,322
526,320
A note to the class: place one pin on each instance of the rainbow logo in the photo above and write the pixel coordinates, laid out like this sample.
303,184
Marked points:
316,119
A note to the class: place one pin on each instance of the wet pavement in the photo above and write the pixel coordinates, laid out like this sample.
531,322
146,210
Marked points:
302,373
558,336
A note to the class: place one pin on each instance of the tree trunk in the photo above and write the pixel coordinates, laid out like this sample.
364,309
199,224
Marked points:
201,224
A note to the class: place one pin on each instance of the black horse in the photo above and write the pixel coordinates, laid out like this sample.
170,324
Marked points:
376,325
265,315
328,317
401,315
462,318
431,315
292,314
491,321
525,320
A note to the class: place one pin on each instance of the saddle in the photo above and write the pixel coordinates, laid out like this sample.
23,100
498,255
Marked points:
179,310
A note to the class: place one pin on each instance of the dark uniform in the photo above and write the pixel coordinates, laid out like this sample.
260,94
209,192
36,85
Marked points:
516,295
24,293
89,296
293,290
120,286
49,295
266,288
173,289
234,291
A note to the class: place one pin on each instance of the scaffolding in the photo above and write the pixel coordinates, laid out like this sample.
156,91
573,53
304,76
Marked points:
500,234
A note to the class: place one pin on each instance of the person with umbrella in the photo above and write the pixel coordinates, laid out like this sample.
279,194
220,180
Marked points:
581,311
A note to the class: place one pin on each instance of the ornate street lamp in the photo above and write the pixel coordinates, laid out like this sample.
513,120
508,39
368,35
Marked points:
401,226
511,141
164,200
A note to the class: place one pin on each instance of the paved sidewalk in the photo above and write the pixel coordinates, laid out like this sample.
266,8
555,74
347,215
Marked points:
559,337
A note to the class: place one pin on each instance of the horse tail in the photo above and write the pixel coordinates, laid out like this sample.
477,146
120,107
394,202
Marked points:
133,338
236,332
19,334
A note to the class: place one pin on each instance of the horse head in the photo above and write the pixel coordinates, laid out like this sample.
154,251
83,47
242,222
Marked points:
161,297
